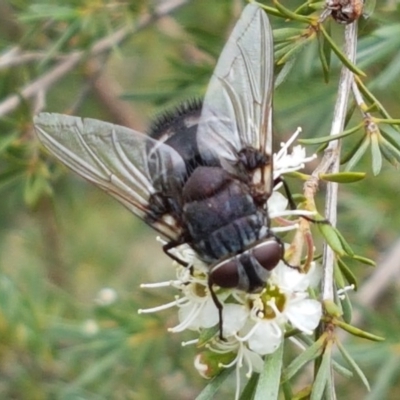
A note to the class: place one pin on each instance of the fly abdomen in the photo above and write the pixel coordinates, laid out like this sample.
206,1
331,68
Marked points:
219,213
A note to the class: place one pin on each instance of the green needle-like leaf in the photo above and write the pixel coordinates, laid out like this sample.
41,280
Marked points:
352,364
311,353
344,177
209,391
340,55
376,154
268,384
359,152
322,377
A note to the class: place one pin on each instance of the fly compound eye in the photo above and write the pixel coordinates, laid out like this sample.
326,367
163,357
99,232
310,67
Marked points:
225,274
268,254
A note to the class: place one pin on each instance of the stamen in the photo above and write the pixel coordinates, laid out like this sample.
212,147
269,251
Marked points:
286,145
237,392
158,284
272,304
342,292
190,342
250,365
232,363
162,307
249,334
194,312
297,343
285,228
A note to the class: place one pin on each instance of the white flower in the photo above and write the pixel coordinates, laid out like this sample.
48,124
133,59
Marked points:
239,355
90,327
285,162
261,320
106,296
196,306
253,324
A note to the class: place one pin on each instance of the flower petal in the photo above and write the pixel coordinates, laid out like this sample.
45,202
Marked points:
266,338
305,315
234,317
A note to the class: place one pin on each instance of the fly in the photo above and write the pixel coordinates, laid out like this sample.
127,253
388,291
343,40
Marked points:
204,174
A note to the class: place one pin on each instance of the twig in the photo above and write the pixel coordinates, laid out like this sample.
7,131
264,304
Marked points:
68,64
332,155
15,56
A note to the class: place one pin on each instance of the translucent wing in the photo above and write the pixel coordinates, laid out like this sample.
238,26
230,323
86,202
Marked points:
236,112
127,164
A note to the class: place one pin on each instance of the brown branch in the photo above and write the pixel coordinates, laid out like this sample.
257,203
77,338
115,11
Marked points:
72,60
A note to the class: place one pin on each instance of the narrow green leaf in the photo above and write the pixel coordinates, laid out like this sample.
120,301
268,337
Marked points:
340,369
283,34
347,273
298,175
390,152
360,151
324,56
350,153
284,72
345,304
352,364
326,139
267,9
364,90
338,276
343,177
364,260
287,391
346,307
358,332
376,154
331,237
209,391
339,53
390,121
311,353
268,384
250,388
50,12
391,134
299,45
290,14
322,377
283,51
349,251
316,5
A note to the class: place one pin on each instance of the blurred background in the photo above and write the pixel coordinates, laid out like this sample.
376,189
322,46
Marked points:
72,258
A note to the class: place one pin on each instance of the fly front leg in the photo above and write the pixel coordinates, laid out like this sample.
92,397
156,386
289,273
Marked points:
171,245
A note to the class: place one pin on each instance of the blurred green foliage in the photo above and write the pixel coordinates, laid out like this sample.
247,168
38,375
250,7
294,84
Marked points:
62,240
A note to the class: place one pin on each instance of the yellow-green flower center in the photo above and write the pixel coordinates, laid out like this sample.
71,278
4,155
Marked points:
272,294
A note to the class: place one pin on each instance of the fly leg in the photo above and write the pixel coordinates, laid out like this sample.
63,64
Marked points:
171,245
219,306
292,204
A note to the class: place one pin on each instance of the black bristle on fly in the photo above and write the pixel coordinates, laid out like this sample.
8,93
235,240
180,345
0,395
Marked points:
176,119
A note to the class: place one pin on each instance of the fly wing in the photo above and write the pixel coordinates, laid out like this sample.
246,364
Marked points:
127,164
236,113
